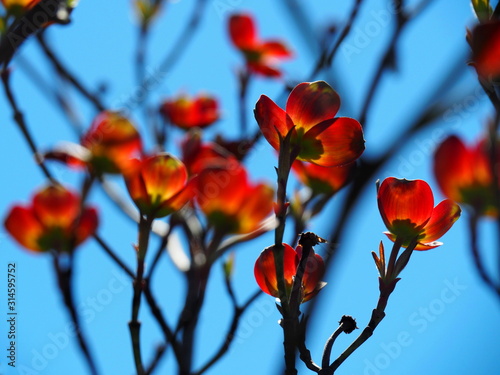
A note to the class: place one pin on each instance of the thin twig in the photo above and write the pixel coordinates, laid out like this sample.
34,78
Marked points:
326,57
231,333
19,119
113,256
64,278
160,352
168,334
58,96
386,62
67,75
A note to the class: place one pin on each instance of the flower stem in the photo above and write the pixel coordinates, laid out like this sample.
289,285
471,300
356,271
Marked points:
64,277
138,285
289,321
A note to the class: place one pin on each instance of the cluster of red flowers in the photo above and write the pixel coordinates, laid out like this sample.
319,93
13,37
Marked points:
210,178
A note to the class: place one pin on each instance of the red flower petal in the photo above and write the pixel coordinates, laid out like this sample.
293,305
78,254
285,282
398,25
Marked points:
113,141
23,226
164,176
275,48
55,206
154,181
255,208
334,142
323,180
242,31
198,156
311,103
485,43
442,218
87,225
315,270
265,271
180,199
272,120
261,67
187,113
452,167
222,189
405,201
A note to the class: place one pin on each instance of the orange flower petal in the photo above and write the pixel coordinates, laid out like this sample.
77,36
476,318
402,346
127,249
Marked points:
24,227
323,180
272,120
55,206
442,218
406,203
255,208
154,181
230,202
242,31
334,142
311,103
222,190
164,175
112,140
265,271
180,199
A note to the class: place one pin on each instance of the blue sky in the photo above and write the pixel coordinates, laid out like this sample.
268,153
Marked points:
439,320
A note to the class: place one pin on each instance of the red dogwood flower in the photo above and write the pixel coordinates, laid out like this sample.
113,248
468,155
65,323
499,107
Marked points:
55,220
230,202
321,138
185,112
108,146
265,272
464,174
407,208
198,155
260,56
159,185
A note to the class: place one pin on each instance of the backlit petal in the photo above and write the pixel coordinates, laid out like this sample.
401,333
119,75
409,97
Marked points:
265,271
255,208
442,218
275,48
452,167
264,68
112,141
341,141
311,103
405,200
164,175
242,31
87,225
222,189
55,206
323,180
272,120
23,226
